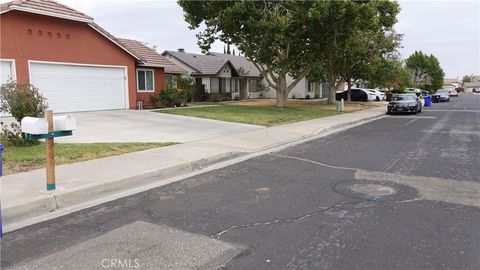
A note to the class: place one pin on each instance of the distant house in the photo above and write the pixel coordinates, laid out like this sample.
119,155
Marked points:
470,87
450,83
233,76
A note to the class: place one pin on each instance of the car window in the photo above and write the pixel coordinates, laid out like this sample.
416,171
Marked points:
405,97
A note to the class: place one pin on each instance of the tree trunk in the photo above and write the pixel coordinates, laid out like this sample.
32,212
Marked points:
349,90
282,92
331,89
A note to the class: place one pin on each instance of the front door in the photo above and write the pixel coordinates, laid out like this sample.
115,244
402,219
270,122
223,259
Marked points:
199,94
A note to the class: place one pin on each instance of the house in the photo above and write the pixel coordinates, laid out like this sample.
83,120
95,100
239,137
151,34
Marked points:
471,87
234,76
153,71
450,83
212,75
76,64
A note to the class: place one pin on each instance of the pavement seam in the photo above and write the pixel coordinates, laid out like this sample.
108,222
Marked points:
218,235
429,188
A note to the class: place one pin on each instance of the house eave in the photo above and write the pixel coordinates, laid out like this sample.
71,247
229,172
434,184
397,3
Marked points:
154,65
47,13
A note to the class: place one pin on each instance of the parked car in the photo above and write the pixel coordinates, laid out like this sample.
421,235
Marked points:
357,94
443,95
453,93
379,95
405,103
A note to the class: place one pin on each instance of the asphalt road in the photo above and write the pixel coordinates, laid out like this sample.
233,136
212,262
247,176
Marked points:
300,208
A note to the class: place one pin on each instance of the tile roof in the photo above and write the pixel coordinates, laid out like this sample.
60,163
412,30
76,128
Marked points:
46,7
203,64
175,70
147,56
239,62
471,84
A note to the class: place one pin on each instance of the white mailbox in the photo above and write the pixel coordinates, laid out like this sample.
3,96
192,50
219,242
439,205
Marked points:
33,125
64,123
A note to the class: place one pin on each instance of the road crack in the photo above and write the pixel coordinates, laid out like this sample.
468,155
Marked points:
280,220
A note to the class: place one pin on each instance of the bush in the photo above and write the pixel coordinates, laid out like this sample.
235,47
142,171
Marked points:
169,97
215,97
21,100
13,135
155,101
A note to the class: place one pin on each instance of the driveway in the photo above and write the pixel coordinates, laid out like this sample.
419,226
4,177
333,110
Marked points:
147,126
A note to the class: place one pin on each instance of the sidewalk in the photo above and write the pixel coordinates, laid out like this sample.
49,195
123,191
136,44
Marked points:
24,195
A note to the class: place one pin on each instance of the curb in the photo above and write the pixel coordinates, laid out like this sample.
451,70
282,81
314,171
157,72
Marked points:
60,202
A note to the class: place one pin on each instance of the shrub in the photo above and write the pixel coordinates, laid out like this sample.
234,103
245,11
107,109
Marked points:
215,97
19,100
155,100
22,99
168,97
13,135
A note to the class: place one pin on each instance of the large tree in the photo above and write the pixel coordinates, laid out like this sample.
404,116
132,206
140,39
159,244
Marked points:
390,73
351,36
274,35
426,71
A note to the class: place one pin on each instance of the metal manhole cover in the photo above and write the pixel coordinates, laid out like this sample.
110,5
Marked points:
373,190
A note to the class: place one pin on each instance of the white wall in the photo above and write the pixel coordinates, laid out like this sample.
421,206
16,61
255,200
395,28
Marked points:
206,82
225,72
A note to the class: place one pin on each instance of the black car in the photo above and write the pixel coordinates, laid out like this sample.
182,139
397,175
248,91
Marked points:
356,95
404,103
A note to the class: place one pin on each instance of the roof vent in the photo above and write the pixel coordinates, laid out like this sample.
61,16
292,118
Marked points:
181,50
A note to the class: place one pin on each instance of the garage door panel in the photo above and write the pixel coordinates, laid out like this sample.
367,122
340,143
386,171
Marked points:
80,88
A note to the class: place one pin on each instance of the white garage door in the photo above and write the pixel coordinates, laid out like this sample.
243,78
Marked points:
72,88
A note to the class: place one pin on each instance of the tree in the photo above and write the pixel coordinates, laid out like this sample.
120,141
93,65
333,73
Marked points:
426,71
364,51
467,78
390,73
346,31
273,35
228,49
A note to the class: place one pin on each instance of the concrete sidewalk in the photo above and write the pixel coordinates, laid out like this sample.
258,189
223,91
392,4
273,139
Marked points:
24,198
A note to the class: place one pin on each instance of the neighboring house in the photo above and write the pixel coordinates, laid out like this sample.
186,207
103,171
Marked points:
450,84
233,76
212,75
77,65
172,73
152,72
470,86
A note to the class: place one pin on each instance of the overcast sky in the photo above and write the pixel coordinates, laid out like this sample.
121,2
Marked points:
448,29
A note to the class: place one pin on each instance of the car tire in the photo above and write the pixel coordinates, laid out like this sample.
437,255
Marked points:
377,98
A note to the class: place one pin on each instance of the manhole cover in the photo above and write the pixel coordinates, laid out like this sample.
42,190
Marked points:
373,190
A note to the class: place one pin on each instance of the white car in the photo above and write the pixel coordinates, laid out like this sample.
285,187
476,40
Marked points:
378,95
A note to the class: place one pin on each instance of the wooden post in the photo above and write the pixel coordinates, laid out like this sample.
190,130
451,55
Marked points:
50,153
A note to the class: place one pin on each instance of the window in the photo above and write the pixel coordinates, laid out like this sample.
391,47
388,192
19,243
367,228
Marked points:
214,85
234,85
311,86
170,81
145,80
253,85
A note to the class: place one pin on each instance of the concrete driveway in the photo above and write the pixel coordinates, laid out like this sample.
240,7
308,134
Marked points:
147,126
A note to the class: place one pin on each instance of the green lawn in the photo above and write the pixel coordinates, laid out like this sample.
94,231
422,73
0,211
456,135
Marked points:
26,158
257,115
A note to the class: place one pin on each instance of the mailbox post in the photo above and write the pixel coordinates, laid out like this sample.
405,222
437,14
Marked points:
50,150
48,128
